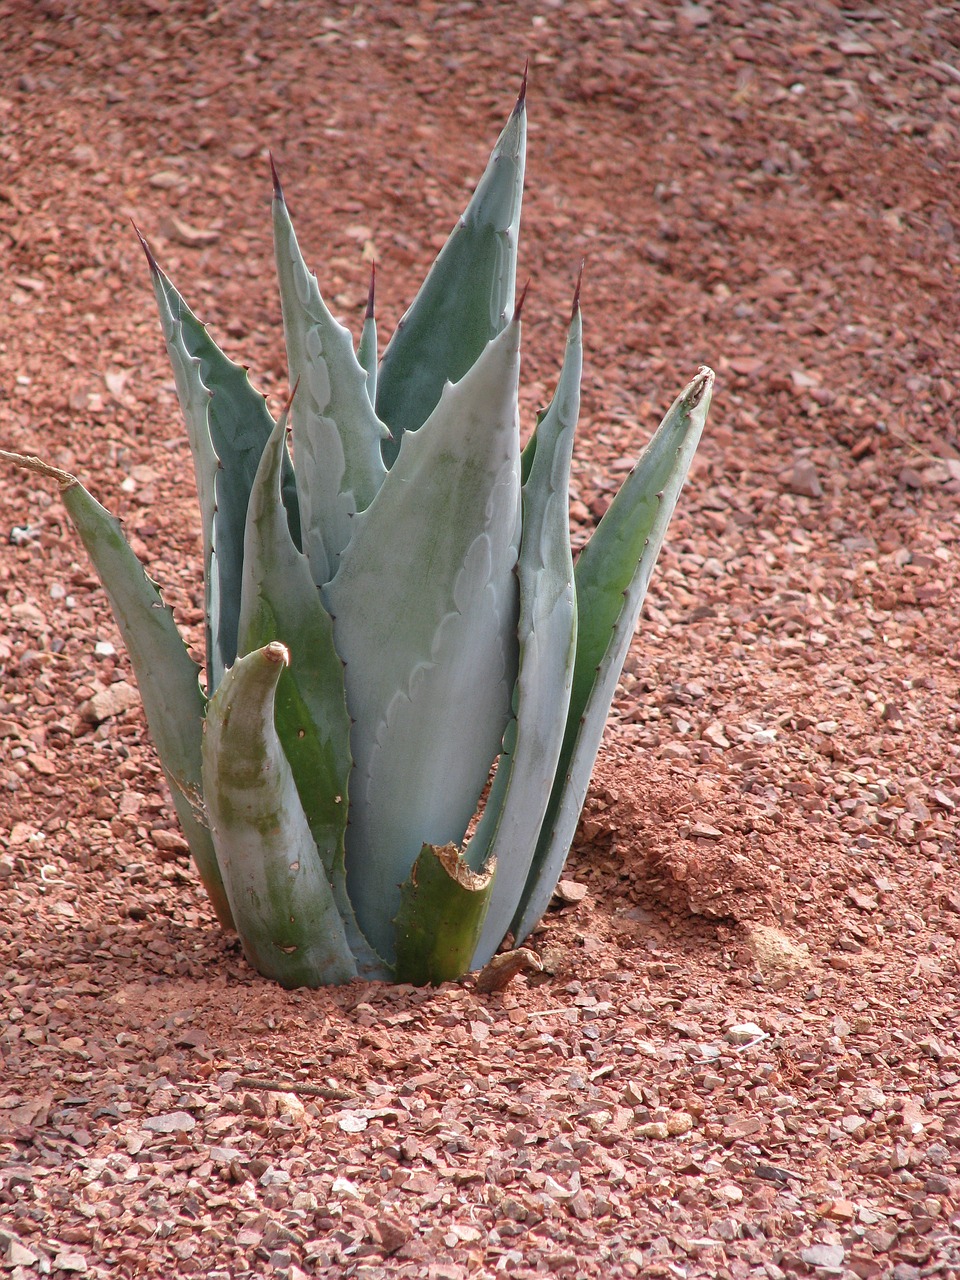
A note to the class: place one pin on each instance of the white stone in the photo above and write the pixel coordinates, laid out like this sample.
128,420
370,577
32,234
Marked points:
743,1033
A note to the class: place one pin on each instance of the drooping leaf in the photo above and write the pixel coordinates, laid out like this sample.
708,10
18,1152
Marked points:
280,601
228,424
467,297
510,826
281,899
167,676
425,613
336,433
442,905
612,576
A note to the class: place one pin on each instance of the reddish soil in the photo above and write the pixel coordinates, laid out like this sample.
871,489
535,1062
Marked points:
771,834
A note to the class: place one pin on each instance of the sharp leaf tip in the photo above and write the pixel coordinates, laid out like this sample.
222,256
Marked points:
576,293
522,95
519,304
277,188
371,296
151,260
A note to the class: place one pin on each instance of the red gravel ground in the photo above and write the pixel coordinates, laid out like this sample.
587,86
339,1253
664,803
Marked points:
771,835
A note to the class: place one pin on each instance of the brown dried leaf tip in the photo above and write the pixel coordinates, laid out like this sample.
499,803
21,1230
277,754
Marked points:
503,968
518,308
151,260
371,296
576,293
277,188
522,96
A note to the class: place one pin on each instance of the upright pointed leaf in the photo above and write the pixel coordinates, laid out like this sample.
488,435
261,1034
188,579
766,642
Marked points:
167,676
336,433
194,399
442,906
367,346
228,425
612,576
425,613
280,602
467,297
281,899
510,826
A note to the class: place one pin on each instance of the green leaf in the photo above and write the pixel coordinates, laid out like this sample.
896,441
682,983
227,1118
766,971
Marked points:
612,576
228,424
425,612
281,899
280,601
547,631
467,297
442,905
167,676
336,433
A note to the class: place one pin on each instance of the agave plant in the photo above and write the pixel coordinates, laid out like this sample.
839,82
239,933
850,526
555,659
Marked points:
392,613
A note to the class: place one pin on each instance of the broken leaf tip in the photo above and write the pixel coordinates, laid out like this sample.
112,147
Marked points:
277,653
701,384
39,467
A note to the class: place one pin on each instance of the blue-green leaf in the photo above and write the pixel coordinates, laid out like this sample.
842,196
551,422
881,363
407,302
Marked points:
281,602
228,424
612,576
425,614
168,678
281,899
467,297
336,432
510,826
367,346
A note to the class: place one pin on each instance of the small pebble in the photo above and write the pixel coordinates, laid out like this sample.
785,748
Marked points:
171,1122
826,1257
804,480
743,1033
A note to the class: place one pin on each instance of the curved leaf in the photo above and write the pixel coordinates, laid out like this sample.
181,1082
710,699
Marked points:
280,601
281,899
